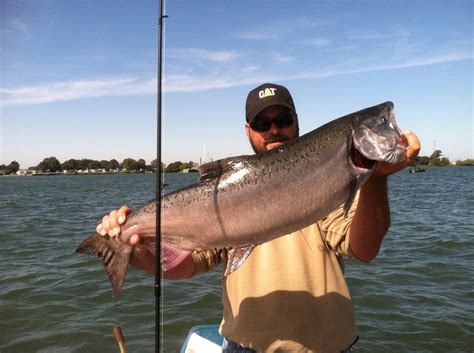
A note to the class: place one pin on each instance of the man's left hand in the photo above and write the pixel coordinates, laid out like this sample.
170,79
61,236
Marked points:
386,169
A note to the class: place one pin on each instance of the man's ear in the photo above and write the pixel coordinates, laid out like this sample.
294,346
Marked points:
247,129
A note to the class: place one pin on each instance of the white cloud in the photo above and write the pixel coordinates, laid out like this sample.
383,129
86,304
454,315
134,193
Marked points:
282,27
318,42
260,35
71,90
251,68
376,35
202,55
280,58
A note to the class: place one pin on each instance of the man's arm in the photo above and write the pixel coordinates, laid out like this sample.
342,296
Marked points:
144,260
372,217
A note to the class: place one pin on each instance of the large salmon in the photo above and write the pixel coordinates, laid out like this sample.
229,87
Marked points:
240,202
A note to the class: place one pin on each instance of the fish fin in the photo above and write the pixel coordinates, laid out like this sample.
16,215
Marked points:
236,258
151,246
171,256
214,169
115,262
353,186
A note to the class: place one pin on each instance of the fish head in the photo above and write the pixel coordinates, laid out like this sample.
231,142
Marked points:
376,136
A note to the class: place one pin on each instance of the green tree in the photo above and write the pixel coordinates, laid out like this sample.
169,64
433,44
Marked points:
84,163
114,164
105,165
173,167
93,164
437,159
70,164
465,163
50,164
422,160
140,165
128,163
12,168
443,162
436,155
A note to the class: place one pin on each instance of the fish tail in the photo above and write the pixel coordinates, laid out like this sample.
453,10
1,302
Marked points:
115,262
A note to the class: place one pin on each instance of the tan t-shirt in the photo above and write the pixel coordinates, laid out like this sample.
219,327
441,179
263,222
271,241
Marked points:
290,295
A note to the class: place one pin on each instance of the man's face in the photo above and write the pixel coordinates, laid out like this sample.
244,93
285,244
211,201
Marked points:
274,137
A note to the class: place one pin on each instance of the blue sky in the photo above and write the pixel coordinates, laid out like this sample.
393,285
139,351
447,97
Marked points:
78,78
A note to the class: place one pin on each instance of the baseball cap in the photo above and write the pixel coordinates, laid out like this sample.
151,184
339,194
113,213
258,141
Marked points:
265,96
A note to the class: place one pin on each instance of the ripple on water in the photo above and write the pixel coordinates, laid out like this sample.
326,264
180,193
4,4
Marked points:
416,296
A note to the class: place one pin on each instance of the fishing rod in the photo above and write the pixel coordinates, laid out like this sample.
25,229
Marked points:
159,179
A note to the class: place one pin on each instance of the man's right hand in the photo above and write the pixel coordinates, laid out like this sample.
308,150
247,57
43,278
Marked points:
111,224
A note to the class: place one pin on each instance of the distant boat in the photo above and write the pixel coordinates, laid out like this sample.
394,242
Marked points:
416,170
190,170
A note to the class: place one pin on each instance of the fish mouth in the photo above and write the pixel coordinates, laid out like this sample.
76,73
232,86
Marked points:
359,160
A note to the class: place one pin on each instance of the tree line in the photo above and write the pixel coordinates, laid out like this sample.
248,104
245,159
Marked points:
52,164
436,159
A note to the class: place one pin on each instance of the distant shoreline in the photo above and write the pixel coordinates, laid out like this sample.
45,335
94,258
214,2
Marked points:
117,172
90,173
73,174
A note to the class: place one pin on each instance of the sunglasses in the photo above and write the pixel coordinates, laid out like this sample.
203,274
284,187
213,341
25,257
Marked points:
264,124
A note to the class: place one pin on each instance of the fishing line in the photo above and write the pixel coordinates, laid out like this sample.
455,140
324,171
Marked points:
159,177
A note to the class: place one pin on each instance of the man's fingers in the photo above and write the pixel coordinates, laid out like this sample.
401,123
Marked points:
414,146
100,230
105,223
134,239
122,214
113,222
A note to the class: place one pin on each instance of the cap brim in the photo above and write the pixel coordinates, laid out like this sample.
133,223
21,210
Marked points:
263,106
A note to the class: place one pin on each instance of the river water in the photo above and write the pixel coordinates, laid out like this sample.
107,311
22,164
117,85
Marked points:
417,295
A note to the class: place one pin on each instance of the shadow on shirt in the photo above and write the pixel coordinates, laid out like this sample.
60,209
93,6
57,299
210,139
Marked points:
296,319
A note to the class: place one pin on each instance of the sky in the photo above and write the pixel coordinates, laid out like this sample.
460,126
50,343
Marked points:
78,79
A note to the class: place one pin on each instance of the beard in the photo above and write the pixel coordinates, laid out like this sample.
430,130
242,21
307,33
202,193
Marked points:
273,139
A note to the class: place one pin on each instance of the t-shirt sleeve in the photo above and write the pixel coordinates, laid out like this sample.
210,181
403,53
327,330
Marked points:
335,229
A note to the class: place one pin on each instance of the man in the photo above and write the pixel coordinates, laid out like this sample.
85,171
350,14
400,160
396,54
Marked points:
290,295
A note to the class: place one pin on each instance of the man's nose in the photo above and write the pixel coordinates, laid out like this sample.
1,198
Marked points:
273,129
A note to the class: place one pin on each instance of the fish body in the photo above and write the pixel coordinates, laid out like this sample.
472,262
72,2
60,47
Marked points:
240,202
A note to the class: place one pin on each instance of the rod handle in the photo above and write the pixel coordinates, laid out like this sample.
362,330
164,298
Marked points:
119,338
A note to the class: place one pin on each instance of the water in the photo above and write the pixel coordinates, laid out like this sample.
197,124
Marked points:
416,296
